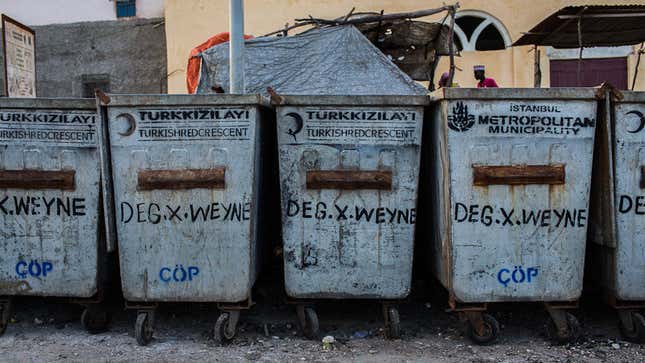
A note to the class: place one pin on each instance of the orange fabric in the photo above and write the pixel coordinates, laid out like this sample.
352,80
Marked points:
194,63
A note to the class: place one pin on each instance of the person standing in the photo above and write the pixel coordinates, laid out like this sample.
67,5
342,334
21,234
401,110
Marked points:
480,75
443,81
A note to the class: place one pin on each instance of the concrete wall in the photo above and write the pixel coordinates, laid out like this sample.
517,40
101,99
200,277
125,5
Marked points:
43,12
190,22
132,53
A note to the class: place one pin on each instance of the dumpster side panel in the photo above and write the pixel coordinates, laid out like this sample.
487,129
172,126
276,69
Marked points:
185,189
630,200
602,223
438,191
349,180
600,263
520,174
107,187
266,217
49,202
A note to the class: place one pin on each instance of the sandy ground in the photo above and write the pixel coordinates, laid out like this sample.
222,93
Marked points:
45,331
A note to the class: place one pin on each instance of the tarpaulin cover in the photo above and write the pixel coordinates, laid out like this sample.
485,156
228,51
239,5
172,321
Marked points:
192,70
322,61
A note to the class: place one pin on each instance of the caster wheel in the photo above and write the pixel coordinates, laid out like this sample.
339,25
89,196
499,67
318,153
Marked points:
308,320
95,320
489,332
143,328
393,325
636,332
224,333
5,312
562,337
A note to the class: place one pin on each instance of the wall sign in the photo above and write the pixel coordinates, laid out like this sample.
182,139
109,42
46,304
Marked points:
19,59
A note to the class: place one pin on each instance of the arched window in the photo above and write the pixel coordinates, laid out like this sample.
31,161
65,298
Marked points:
477,30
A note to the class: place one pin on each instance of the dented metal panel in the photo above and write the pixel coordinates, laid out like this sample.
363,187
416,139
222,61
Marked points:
186,177
629,162
49,198
349,170
510,184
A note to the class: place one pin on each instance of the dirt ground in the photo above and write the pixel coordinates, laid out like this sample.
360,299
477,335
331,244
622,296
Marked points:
42,330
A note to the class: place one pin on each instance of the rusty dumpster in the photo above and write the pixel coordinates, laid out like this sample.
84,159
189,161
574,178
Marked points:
349,168
186,186
53,242
617,230
508,186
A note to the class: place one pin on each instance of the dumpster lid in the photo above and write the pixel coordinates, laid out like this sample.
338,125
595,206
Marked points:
513,93
325,100
185,100
630,96
49,103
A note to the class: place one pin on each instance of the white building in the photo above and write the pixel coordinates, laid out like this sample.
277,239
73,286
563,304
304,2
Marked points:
46,12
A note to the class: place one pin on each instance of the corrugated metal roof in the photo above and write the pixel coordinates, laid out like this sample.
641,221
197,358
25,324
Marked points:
610,25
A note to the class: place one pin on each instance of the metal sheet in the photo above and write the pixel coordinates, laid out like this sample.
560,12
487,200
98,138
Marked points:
601,26
186,176
354,240
50,217
518,241
629,130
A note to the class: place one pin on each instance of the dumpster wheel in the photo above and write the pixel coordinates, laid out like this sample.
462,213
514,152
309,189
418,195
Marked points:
5,312
308,320
482,328
95,320
143,328
392,322
566,335
226,327
632,326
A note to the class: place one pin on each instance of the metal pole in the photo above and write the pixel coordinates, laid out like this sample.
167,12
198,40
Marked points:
236,46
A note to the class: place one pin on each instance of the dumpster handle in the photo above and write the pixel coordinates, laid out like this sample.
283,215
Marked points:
349,179
643,177
181,179
38,179
484,175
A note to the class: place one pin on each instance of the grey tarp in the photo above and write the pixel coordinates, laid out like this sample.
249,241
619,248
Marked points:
323,61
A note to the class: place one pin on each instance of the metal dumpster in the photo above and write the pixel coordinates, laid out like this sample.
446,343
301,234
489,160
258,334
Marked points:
349,169
618,209
52,237
187,177
510,173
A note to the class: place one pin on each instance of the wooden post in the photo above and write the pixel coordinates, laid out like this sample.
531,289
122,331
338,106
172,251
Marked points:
638,62
537,75
451,48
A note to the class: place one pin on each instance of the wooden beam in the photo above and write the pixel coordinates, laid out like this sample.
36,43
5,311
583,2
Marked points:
563,25
615,15
181,179
485,175
385,17
365,19
349,179
37,179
